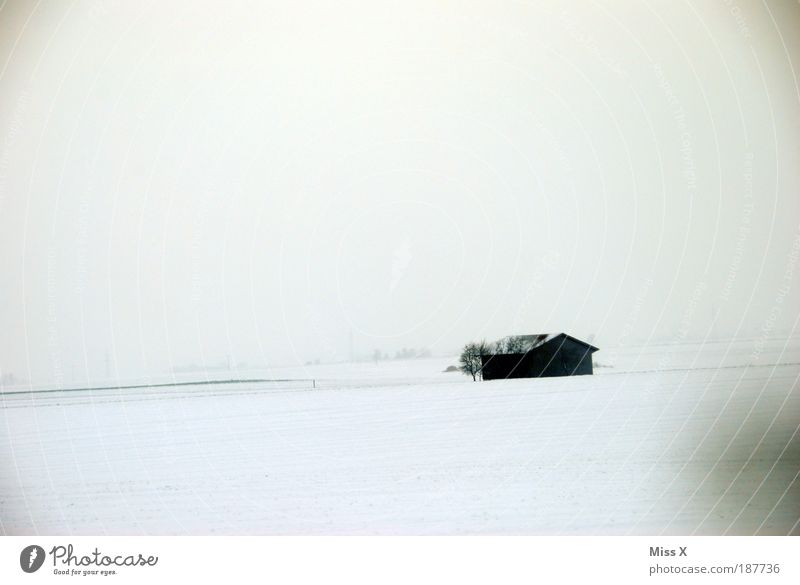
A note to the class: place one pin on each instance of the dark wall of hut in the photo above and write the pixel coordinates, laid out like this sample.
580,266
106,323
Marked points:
558,357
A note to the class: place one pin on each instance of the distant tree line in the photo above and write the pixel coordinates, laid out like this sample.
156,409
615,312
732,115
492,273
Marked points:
7,379
407,353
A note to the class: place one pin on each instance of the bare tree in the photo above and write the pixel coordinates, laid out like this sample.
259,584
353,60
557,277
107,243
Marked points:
470,360
516,344
510,344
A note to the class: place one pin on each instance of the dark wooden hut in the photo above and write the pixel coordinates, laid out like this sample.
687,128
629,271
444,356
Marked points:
538,356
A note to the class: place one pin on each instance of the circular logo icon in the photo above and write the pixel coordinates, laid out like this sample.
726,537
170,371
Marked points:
31,558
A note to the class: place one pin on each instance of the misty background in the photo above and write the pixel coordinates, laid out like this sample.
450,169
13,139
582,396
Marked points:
268,184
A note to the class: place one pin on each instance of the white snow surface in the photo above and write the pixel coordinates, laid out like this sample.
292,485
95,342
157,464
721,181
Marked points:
671,439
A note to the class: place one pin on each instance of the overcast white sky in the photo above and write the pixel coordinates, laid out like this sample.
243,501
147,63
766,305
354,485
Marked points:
182,183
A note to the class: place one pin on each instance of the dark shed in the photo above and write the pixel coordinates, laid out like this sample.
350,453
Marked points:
539,356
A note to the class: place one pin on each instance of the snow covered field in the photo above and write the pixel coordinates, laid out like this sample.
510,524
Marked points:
672,439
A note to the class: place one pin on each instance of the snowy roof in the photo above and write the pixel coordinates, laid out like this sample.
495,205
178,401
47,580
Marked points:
532,341
535,340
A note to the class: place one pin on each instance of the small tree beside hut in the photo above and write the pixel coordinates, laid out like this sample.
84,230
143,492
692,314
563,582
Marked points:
470,362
